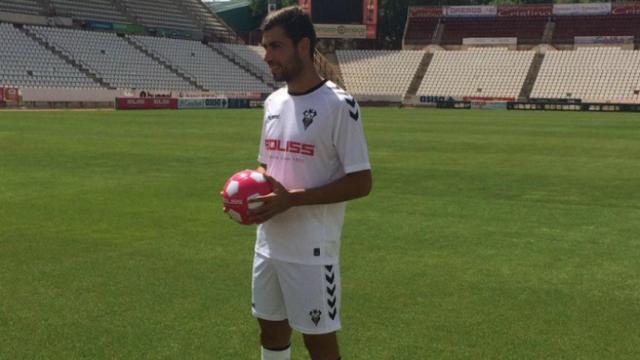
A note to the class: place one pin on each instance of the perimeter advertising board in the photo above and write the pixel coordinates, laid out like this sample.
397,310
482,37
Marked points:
582,9
146,103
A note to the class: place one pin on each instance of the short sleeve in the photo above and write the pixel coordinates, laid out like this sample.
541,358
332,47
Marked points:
262,152
348,137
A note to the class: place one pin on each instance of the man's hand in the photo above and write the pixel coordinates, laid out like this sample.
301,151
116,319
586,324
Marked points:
273,204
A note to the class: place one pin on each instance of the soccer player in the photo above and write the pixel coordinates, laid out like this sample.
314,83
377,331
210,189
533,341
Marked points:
314,153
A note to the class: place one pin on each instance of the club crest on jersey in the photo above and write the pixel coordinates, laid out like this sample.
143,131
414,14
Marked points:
309,115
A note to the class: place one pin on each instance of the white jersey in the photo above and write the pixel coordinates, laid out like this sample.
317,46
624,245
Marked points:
309,140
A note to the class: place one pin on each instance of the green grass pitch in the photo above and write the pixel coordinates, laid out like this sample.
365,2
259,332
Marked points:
488,235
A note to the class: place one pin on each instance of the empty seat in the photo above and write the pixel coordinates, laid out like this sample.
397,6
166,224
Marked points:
113,59
568,27
203,64
527,31
103,10
25,63
160,14
602,74
477,72
379,72
420,30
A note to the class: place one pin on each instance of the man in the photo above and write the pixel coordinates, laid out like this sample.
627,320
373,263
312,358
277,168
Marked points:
314,154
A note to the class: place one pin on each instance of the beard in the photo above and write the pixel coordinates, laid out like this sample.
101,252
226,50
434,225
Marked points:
289,71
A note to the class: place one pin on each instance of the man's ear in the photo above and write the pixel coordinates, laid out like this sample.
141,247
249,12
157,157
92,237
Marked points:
303,47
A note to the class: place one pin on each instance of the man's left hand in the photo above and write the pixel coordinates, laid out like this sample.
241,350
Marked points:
272,204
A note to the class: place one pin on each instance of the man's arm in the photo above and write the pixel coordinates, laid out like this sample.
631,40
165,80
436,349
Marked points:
351,186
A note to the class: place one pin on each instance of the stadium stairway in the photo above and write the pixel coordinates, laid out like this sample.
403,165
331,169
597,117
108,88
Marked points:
332,58
549,29
417,78
327,70
93,75
243,64
532,75
157,58
437,34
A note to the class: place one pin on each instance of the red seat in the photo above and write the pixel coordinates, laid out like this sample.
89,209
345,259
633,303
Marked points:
527,30
568,27
420,29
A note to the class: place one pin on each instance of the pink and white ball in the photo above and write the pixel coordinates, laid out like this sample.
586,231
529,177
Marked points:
239,189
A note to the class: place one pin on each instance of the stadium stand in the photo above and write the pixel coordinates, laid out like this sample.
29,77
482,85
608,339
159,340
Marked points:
24,63
203,64
604,74
213,26
477,72
160,13
527,31
69,55
31,7
420,30
379,72
114,60
253,56
568,27
102,10
55,57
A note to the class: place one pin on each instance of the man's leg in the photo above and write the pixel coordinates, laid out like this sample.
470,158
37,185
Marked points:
267,301
275,338
312,295
275,334
322,347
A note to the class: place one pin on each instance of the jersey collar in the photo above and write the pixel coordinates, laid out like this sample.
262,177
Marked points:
308,91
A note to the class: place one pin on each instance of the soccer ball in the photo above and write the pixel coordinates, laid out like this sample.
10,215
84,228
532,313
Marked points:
239,189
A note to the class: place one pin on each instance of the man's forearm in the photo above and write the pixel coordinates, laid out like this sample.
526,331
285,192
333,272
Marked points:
349,187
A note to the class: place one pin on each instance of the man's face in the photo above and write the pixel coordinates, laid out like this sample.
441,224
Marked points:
281,55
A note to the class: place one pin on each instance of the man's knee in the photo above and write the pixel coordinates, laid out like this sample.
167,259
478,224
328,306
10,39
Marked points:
322,347
275,335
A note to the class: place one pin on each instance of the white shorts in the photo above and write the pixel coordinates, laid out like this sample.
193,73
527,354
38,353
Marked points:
307,295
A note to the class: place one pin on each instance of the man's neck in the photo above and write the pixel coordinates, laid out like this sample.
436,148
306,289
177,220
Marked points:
306,81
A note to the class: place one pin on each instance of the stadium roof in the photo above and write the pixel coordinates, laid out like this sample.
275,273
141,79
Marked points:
225,5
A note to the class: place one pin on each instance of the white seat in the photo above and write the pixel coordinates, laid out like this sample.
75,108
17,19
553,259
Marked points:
486,72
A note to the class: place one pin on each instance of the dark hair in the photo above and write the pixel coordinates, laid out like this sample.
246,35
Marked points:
296,24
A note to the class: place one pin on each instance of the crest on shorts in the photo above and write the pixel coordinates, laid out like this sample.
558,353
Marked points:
309,115
315,316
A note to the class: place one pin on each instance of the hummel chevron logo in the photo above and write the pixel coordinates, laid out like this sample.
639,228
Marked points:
332,302
354,115
330,278
351,102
